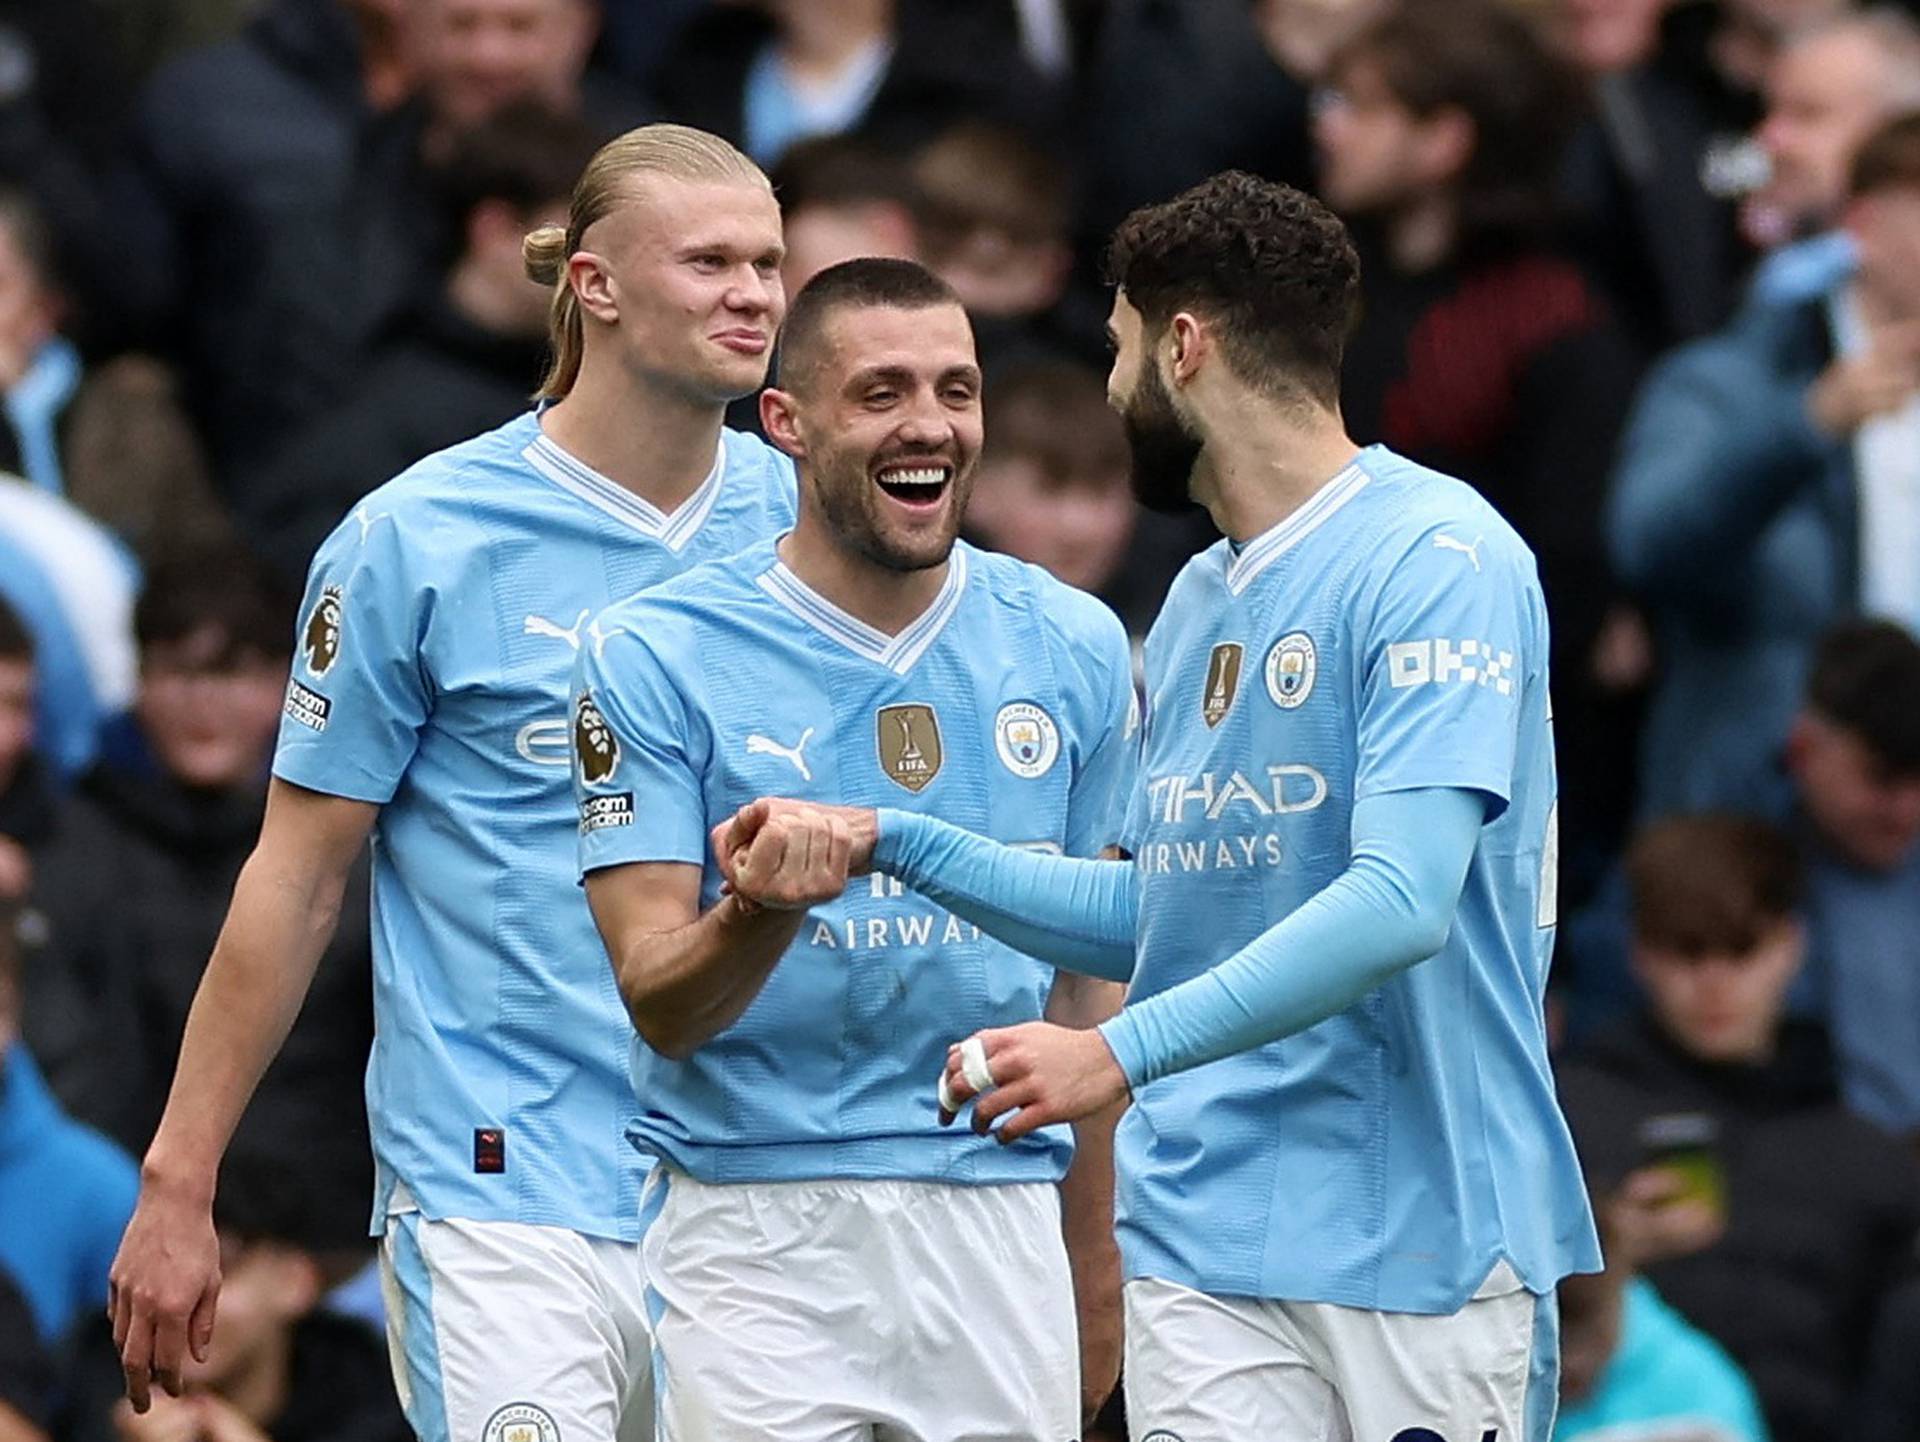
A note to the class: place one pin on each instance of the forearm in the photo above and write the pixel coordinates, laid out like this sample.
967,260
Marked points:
277,928
684,986
1074,914
1391,907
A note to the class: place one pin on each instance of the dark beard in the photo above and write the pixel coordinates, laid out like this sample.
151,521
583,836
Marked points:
1164,450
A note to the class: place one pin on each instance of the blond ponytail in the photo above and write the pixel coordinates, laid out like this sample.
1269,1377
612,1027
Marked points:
677,151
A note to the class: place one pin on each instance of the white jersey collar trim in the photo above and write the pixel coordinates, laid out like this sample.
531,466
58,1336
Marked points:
604,494
1267,547
897,653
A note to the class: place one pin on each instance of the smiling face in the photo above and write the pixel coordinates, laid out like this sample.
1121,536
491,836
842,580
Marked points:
688,276
886,425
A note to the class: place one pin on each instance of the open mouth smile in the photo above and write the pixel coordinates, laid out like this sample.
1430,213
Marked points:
919,485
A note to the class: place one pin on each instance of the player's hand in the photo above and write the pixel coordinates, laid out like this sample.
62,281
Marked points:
162,1290
1852,390
1040,1072
796,859
732,837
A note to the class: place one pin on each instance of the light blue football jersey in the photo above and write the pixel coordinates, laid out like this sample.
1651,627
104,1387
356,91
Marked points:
1005,709
436,646
1389,635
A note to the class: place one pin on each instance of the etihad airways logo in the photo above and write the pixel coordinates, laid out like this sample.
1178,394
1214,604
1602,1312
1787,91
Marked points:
1238,801
1281,790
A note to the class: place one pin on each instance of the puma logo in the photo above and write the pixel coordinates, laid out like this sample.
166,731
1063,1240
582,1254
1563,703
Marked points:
761,746
541,626
1472,553
367,521
600,638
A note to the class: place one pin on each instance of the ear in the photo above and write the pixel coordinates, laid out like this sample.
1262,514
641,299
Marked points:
780,419
594,286
1192,345
1447,139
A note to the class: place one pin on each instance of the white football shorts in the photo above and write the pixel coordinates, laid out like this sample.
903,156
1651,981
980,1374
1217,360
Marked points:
860,1311
504,1332
1201,1368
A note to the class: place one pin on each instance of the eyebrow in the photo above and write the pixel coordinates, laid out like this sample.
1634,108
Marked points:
904,375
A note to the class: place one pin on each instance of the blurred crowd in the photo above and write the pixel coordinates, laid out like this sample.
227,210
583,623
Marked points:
1646,272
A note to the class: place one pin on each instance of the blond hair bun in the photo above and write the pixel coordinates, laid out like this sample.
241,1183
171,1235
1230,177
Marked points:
544,253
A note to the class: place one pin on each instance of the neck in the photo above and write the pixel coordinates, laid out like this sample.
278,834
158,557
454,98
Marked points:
887,600
818,37
657,442
476,298
1421,234
259,1390
1267,462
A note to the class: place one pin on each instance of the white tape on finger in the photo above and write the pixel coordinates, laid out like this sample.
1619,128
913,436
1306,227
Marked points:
947,1102
973,1065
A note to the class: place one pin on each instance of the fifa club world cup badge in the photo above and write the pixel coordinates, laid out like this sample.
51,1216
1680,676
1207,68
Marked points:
1223,682
909,741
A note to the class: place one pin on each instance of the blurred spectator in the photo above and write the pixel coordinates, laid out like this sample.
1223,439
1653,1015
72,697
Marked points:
39,368
135,881
1174,91
1765,488
72,586
1770,1216
1652,173
1053,489
770,73
25,802
1480,349
1632,1366
1831,87
1853,757
232,147
841,198
26,1376
66,1192
996,215
278,1368
349,279
467,361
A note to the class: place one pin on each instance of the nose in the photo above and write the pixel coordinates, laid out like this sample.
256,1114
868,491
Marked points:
925,422
752,292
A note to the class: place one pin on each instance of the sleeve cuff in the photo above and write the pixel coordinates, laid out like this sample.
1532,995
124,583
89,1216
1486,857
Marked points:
1122,1036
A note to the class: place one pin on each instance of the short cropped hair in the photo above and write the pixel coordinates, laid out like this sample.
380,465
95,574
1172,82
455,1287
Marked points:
224,588
1711,884
1268,264
866,283
1866,681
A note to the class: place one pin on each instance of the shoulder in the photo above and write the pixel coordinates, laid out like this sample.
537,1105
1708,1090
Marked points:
1064,612
1426,522
669,620
747,453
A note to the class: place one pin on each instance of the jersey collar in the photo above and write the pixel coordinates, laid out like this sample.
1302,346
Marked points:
1267,547
897,653
672,530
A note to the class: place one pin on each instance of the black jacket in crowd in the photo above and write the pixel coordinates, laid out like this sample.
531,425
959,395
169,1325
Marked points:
1822,1209
130,889
441,380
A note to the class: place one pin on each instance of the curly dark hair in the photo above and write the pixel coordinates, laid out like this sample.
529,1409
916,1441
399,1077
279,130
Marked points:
1270,265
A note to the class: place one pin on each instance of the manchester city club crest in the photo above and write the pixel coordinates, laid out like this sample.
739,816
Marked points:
908,737
521,1422
1291,666
1223,682
1026,738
